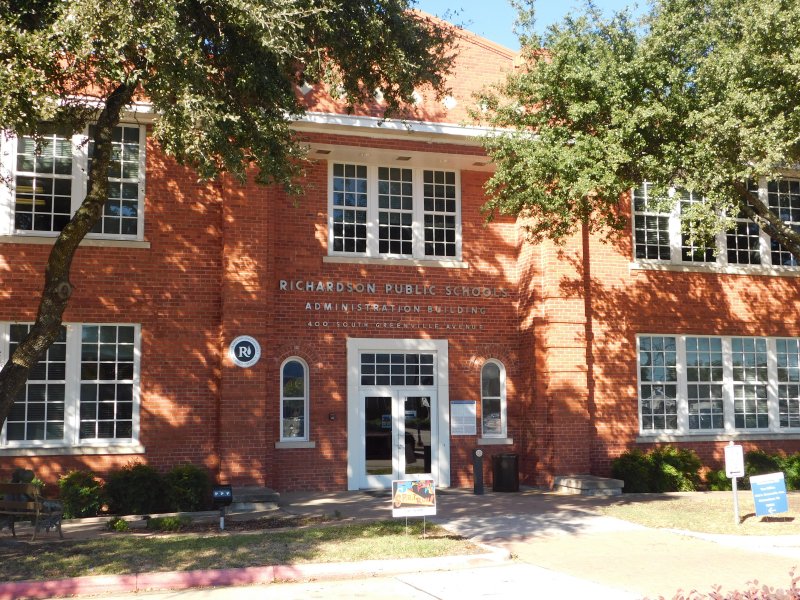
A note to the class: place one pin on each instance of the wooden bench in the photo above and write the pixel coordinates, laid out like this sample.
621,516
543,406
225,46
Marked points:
24,502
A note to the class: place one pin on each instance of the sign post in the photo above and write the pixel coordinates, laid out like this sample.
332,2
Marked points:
734,467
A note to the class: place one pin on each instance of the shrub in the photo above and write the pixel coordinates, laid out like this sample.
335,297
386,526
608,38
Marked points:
718,481
81,494
675,469
136,489
758,462
666,469
117,524
188,488
791,471
175,523
634,469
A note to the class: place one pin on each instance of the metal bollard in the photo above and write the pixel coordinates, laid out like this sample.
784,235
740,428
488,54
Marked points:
477,471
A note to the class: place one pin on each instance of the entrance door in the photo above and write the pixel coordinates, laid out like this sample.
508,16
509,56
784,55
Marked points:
397,435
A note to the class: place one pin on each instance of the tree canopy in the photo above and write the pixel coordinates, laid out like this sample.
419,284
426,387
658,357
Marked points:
222,77
698,95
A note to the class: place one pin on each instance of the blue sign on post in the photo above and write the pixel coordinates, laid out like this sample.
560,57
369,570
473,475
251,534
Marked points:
769,494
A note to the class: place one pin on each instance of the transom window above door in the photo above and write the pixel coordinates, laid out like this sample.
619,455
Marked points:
394,212
402,369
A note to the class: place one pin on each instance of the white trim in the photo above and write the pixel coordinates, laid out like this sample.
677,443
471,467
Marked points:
422,131
709,268
440,425
79,450
136,111
294,445
644,438
490,441
397,262
48,240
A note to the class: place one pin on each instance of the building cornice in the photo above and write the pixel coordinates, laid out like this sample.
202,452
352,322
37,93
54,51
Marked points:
363,126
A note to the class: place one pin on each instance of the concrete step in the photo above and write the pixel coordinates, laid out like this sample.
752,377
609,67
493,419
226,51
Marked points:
254,499
588,485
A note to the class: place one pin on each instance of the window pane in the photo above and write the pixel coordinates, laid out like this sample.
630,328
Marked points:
439,214
124,178
107,368
490,380
38,412
651,228
293,380
658,385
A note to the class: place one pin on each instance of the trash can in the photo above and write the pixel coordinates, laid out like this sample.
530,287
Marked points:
505,473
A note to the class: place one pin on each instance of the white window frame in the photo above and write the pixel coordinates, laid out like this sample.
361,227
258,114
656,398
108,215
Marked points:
72,441
729,429
306,395
80,179
418,210
721,262
503,433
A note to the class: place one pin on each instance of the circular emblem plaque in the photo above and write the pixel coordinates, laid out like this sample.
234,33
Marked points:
245,351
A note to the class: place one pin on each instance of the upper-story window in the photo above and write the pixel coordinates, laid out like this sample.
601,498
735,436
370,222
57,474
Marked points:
394,212
658,236
45,188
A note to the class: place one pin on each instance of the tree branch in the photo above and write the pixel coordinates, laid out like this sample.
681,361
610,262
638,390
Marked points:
758,212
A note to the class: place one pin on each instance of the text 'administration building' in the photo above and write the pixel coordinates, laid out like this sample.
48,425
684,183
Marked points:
397,330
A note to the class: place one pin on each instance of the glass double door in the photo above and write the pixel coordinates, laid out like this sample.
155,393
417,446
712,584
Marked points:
397,435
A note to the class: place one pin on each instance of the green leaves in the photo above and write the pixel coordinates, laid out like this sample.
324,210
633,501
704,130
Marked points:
221,74
699,95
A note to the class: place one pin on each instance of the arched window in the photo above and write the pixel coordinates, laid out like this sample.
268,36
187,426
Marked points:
294,400
493,399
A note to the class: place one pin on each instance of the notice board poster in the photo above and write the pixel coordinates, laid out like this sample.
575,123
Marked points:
463,417
414,497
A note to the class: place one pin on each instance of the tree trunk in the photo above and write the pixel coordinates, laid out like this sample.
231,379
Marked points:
57,286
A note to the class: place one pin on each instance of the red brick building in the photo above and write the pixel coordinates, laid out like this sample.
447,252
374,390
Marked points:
383,326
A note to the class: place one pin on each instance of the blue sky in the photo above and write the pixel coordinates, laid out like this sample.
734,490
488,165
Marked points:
493,19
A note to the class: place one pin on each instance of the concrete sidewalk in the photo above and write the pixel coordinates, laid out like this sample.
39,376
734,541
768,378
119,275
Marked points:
565,534
561,544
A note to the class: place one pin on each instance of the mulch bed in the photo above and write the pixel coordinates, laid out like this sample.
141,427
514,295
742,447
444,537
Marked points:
276,522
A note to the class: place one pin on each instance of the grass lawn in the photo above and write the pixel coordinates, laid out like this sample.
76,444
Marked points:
709,512
126,553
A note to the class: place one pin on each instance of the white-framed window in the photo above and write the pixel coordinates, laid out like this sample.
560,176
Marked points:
493,399
783,198
658,237
84,392
718,384
380,211
294,400
44,190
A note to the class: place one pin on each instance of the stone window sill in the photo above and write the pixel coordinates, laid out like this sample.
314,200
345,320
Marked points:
72,450
288,445
488,441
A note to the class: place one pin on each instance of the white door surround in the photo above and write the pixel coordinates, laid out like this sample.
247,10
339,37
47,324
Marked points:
439,419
